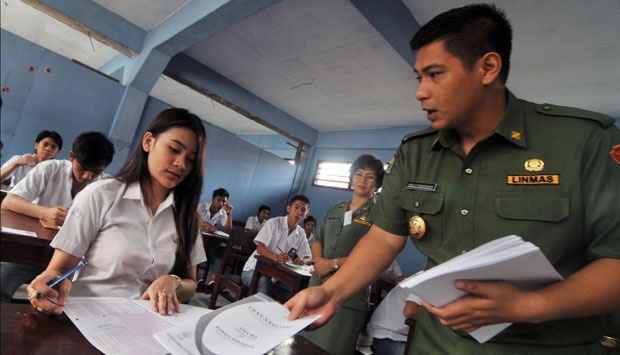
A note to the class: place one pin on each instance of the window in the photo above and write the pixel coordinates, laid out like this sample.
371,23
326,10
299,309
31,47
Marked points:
332,174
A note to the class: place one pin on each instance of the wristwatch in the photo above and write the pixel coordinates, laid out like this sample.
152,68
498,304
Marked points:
336,266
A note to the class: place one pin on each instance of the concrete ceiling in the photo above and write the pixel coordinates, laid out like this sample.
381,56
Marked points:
343,65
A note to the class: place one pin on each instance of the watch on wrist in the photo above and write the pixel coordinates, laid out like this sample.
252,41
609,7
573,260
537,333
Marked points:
336,266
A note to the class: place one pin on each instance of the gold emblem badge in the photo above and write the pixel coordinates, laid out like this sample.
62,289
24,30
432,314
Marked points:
534,165
515,135
615,153
417,227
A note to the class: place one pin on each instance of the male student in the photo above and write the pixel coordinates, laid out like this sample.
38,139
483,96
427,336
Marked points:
255,223
280,238
218,211
309,227
47,145
47,192
493,165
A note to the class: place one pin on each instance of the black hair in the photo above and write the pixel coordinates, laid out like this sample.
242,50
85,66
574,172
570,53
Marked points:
309,219
186,193
93,150
368,161
301,198
469,32
51,134
220,192
263,207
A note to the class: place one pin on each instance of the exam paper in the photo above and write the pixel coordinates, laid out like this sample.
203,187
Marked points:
124,326
305,270
18,232
254,325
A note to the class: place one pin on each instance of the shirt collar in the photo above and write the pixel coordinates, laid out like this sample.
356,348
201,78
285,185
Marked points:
511,127
134,192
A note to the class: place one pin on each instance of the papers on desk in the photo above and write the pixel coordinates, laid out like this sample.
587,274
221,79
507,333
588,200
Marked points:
305,270
253,325
507,259
223,234
124,326
18,232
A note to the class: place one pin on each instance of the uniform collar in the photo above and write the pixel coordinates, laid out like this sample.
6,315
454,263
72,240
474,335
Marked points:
134,192
511,127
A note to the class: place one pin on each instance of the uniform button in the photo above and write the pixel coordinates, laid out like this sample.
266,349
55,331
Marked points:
464,212
417,204
546,107
468,171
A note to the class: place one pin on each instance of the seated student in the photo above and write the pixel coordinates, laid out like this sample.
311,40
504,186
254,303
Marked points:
274,241
255,223
309,226
139,230
387,324
46,146
48,191
217,211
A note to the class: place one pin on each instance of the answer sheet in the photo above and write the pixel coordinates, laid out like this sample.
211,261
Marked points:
124,326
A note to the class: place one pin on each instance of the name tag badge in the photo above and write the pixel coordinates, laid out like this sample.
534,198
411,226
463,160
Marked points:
348,217
541,179
361,221
421,186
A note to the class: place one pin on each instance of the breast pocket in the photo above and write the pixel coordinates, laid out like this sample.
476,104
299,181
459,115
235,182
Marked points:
427,205
546,207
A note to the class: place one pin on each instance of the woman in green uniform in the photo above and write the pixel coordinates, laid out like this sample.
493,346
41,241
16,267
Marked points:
342,227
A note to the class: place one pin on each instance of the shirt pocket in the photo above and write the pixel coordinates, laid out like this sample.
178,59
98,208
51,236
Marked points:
427,205
544,206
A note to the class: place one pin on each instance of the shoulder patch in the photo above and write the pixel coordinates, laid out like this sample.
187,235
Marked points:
418,134
564,111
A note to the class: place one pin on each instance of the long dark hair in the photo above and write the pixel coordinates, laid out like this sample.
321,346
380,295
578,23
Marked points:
187,193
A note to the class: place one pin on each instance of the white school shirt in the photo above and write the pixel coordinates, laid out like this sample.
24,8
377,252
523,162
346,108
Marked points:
253,224
274,235
49,184
21,171
387,320
126,248
219,216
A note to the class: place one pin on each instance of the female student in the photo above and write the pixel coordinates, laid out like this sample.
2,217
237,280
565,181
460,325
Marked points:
138,232
344,224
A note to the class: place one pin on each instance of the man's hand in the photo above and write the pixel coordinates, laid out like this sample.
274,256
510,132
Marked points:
312,300
55,215
486,302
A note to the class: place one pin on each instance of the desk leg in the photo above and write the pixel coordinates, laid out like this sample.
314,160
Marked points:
254,283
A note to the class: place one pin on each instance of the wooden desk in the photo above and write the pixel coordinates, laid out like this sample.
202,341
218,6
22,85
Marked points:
27,332
213,244
283,273
21,249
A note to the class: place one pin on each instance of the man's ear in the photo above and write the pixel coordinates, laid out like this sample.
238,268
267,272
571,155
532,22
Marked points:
490,64
147,141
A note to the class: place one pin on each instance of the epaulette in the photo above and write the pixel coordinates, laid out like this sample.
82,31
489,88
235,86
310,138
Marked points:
417,134
565,111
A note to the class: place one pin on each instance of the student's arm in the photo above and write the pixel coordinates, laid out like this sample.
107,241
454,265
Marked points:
167,293
12,164
15,203
228,225
369,259
262,249
61,262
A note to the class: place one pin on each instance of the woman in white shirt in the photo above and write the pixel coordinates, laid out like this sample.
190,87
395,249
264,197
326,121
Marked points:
139,231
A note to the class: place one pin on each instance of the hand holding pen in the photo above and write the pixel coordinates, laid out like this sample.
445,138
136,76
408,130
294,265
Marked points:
41,290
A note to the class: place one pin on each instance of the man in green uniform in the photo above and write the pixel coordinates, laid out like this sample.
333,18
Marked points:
492,165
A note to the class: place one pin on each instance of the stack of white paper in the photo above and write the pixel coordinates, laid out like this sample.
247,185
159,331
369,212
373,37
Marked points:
506,259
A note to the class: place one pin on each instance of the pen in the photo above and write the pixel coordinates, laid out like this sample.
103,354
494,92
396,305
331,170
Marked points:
65,275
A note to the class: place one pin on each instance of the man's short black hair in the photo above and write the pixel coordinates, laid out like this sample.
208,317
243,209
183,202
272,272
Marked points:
93,150
310,219
220,192
51,134
469,32
263,207
301,198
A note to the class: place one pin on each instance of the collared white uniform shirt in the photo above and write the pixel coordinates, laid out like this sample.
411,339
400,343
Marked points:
21,171
126,247
219,216
274,235
49,184
253,224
